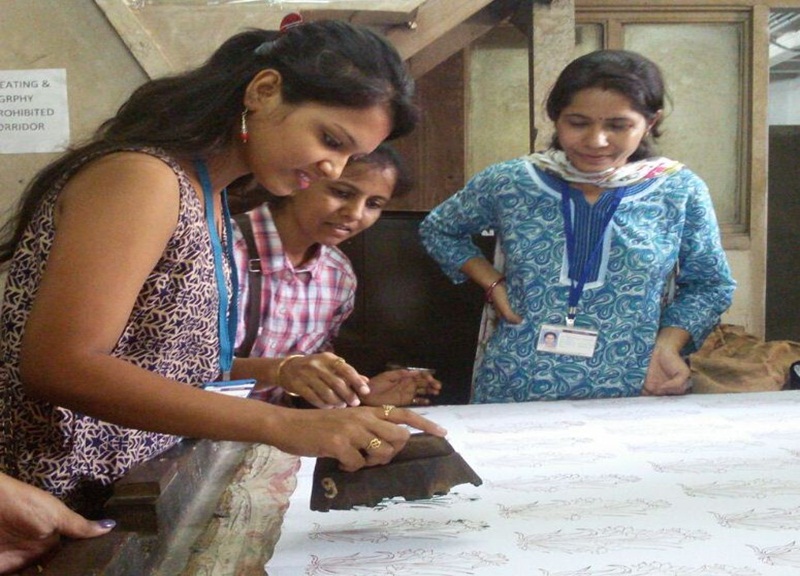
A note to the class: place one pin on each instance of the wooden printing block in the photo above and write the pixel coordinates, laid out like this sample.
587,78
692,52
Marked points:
427,466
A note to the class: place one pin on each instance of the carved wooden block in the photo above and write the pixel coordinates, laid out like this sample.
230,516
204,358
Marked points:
158,506
151,497
427,466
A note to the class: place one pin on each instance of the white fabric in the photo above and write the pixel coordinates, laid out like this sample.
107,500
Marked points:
700,485
556,162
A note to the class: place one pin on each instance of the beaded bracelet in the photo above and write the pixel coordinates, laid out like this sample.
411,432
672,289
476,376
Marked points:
278,374
491,288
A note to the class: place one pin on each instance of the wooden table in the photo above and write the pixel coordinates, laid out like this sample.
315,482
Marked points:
202,508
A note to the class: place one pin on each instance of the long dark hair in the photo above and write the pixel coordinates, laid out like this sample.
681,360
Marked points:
196,113
628,73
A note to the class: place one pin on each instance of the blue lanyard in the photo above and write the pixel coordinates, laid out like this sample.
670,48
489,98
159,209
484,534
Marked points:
227,316
577,284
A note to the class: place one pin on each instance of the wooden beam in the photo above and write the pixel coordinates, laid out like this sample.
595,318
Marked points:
393,6
375,18
434,19
759,162
461,36
552,42
137,38
167,36
684,5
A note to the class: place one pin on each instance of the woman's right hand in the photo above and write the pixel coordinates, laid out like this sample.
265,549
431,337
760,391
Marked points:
324,380
357,437
484,274
502,306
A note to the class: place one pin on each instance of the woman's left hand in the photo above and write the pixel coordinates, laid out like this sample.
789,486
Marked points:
402,387
668,373
32,522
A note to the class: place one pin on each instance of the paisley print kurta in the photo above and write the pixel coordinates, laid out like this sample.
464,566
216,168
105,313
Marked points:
659,223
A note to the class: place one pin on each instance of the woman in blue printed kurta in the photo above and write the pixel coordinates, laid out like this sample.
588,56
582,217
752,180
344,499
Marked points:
549,211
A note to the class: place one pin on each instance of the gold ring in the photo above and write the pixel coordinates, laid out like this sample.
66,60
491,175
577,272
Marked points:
338,362
387,408
374,444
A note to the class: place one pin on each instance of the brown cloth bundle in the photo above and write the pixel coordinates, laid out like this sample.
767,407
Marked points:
731,360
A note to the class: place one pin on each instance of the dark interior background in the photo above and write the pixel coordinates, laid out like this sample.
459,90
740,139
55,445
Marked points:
783,235
407,311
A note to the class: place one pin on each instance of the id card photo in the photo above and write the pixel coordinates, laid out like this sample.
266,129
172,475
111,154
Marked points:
570,341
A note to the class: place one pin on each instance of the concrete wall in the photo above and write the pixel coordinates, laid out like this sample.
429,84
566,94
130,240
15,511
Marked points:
75,36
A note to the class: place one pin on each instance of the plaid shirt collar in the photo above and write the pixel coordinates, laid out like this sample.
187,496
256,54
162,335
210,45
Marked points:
273,255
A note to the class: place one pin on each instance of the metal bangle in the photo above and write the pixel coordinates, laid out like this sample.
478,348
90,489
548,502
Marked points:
278,374
491,288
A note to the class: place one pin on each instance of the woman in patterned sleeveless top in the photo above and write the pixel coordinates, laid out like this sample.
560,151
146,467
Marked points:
115,313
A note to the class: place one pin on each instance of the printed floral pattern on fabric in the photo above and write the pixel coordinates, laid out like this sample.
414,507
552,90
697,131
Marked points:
172,331
615,487
657,223
556,161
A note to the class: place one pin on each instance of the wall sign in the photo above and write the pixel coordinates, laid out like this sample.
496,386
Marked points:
34,116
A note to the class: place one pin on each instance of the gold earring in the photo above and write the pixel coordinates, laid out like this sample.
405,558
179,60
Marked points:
244,135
